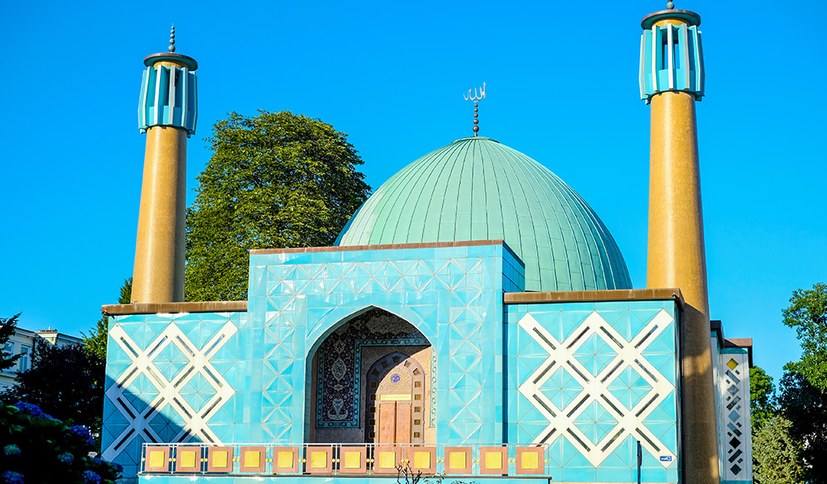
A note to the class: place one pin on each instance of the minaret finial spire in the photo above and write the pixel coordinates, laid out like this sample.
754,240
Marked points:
670,5
476,96
172,38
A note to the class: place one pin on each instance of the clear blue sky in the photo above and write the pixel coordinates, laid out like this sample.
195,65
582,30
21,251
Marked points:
562,88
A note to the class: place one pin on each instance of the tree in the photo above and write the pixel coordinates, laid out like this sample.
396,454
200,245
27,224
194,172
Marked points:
64,382
776,453
95,343
7,327
803,395
760,396
807,314
805,406
275,180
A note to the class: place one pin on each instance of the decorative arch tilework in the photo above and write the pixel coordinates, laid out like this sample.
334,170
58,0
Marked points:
590,379
338,387
451,295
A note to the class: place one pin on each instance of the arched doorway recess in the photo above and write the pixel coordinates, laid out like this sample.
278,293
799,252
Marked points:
369,348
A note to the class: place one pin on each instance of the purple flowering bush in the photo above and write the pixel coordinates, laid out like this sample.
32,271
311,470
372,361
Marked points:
38,448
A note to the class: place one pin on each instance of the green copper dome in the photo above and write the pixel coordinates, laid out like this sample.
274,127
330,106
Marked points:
479,189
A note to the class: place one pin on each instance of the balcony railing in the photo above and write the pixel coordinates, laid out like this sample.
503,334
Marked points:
345,459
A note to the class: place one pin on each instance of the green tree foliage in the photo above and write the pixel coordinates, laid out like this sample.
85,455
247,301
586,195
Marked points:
807,314
38,448
805,406
95,343
275,180
776,453
65,382
803,388
761,391
7,328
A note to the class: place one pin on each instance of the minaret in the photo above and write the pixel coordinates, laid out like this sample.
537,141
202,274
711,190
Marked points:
167,113
671,80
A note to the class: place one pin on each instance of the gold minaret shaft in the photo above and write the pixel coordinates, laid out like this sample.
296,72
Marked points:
676,258
160,249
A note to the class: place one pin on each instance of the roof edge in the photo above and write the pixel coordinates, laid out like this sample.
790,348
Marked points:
414,245
593,296
175,308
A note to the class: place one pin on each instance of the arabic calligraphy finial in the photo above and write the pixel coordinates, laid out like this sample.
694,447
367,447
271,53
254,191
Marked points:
172,38
476,96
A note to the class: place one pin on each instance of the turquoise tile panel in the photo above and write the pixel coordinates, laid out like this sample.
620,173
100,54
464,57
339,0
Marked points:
451,297
568,359
177,364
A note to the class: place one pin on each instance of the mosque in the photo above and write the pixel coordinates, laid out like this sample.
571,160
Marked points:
474,322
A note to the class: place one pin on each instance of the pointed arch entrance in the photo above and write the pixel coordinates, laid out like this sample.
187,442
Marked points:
372,363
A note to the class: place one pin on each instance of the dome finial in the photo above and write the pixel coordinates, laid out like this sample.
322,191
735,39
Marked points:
172,38
670,5
476,96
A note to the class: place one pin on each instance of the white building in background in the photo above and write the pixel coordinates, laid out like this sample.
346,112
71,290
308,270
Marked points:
22,342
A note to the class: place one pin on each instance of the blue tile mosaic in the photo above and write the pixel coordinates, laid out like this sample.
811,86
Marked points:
585,368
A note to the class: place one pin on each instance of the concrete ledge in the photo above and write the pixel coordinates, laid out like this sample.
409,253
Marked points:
175,307
593,296
342,248
738,342
418,245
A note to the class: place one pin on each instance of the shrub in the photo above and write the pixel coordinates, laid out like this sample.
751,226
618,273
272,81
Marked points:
38,448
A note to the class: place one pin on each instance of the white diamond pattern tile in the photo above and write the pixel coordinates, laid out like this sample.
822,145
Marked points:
141,423
621,420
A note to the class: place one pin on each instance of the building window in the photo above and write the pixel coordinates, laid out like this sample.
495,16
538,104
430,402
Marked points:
23,363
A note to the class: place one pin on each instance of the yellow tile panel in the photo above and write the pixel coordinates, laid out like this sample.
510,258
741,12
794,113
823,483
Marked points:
318,459
353,460
187,457
157,458
457,460
493,460
252,458
219,458
284,459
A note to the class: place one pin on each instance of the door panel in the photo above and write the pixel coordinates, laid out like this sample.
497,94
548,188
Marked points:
387,422
403,422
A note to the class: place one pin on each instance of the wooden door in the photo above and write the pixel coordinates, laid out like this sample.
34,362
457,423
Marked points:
394,422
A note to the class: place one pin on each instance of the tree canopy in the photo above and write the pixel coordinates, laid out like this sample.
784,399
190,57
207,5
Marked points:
275,180
95,343
776,454
65,381
802,399
807,314
761,392
7,328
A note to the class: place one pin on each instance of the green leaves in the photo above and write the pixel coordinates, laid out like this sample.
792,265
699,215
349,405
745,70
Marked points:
761,391
790,443
807,313
275,180
7,328
777,455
